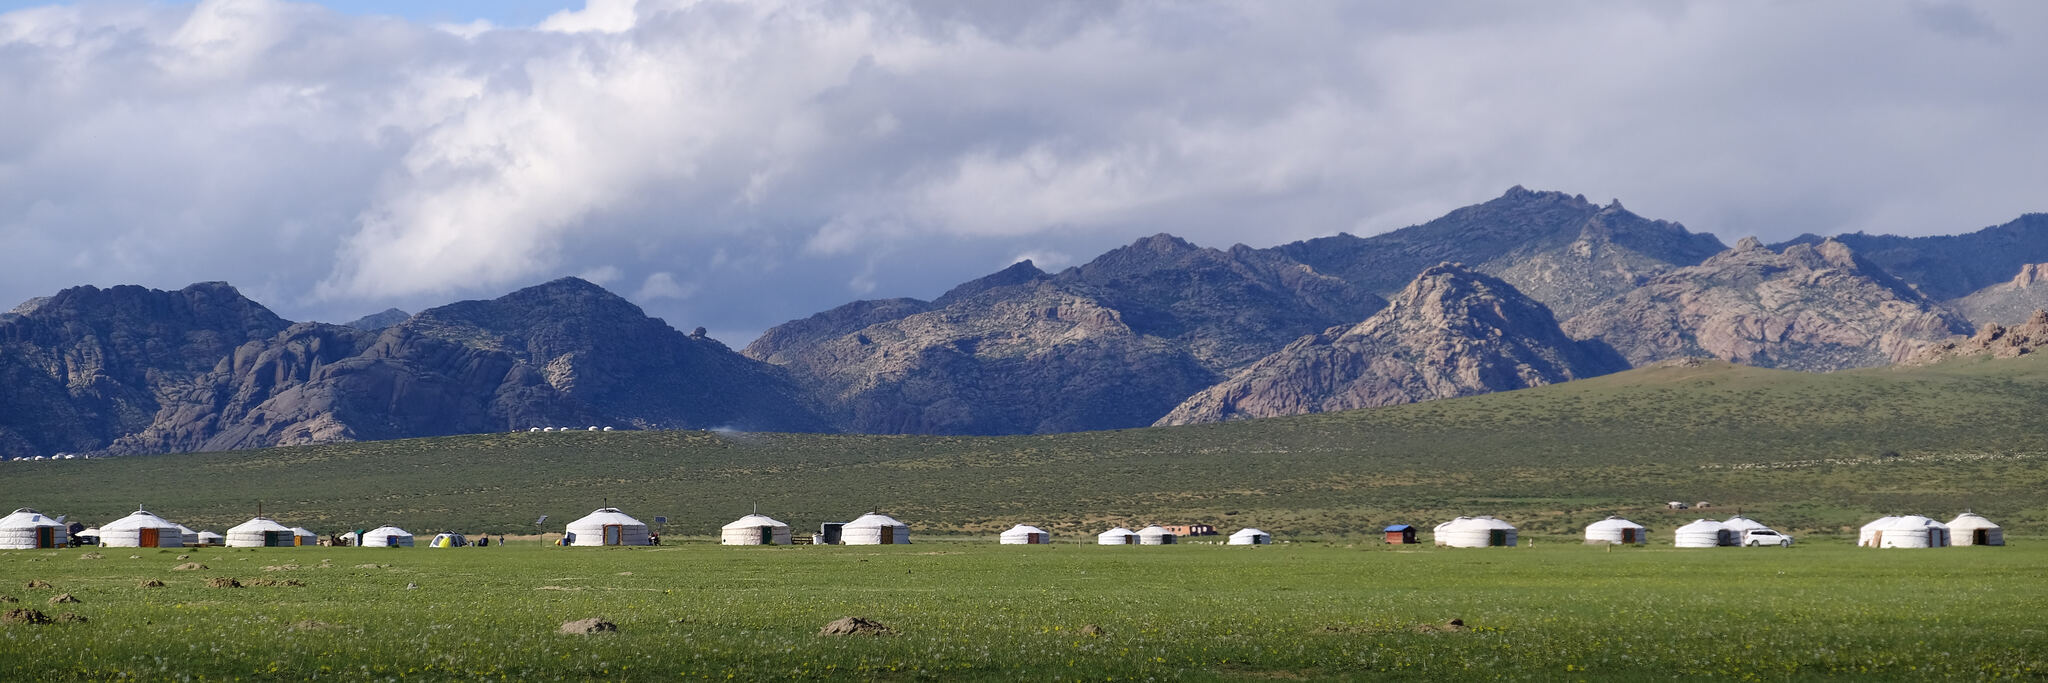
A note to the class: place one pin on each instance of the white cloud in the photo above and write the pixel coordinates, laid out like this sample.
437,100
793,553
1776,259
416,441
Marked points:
779,153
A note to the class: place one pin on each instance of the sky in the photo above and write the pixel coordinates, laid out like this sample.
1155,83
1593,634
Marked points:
737,164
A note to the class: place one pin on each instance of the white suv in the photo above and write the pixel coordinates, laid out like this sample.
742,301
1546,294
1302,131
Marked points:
1762,537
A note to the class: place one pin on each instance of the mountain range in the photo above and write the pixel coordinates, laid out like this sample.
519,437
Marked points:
1529,288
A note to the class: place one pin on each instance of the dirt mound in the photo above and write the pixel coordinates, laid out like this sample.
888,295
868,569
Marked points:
372,566
311,625
69,618
587,626
62,599
184,557
8,599
91,556
1092,631
223,582
1452,626
24,616
855,626
280,567
37,584
289,583
150,583
189,567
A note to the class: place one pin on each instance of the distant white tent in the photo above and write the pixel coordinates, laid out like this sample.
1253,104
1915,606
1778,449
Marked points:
754,529
1867,536
1250,536
27,528
1739,524
448,540
608,526
1971,528
1024,534
1117,536
191,536
1704,533
208,538
261,532
1910,531
874,529
1617,531
1475,532
305,536
140,529
1156,535
387,537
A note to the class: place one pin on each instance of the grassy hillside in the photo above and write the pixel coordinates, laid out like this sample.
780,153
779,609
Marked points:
1807,452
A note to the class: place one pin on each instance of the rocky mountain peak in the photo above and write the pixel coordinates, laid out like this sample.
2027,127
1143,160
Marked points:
1993,340
1750,243
2029,274
1016,274
379,320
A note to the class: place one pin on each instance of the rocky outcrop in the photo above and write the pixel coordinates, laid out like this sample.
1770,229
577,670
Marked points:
1945,267
786,342
1559,249
2008,303
1451,332
1992,340
1808,307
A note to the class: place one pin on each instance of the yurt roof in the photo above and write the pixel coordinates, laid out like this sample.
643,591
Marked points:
607,516
203,535
188,531
1248,531
1155,530
1971,520
1480,522
752,521
1741,523
258,525
1913,522
873,520
1025,529
94,531
1398,527
1119,531
303,531
387,531
1613,523
1880,522
1701,525
139,519
26,517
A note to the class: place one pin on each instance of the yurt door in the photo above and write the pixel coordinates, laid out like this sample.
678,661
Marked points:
1980,537
273,539
149,537
1628,535
613,534
767,535
46,537
888,534
1497,537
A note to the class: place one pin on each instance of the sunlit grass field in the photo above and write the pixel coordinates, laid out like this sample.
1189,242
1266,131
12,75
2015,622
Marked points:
974,610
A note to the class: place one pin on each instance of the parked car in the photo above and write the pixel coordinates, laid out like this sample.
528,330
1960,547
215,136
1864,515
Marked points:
1763,537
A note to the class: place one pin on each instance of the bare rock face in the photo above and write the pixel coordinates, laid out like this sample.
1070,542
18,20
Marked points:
2008,303
1810,307
1451,332
1992,340
1946,267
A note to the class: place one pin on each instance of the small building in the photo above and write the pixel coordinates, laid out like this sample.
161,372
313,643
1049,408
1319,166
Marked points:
1475,532
1191,529
304,536
26,529
1704,533
607,526
448,540
1250,536
754,529
1400,534
1910,531
1616,531
1024,534
191,536
1117,536
1971,528
386,537
140,529
261,532
1675,505
1156,535
875,529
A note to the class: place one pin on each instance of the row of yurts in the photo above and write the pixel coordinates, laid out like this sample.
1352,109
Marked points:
27,528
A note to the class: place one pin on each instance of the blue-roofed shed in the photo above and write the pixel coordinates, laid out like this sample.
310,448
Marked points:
1401,534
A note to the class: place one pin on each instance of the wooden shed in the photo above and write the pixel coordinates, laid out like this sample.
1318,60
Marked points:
1401,534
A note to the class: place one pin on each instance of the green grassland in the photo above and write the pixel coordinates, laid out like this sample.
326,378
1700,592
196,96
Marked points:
970,610
1809,453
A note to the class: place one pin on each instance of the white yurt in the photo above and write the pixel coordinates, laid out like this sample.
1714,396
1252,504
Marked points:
608,526
1971,528
754,529
874,529
448,540
1911,531
141,530
1867,536
387,537
305,536
191,535
1704,533
1616,531
261,532
1250,536
1475,532
1024,534
1156,535
1117,536
208,538
90,536
1739,524
27,528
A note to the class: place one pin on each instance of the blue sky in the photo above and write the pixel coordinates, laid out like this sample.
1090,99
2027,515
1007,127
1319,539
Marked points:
739,163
